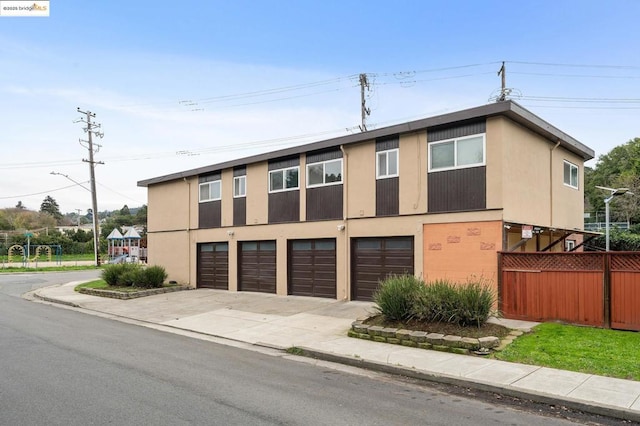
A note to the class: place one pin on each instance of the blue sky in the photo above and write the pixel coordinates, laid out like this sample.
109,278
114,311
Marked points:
183,85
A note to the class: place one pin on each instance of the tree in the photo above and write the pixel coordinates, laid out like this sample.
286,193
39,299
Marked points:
619,168
124,211
141,215
20,206
30,220
50,206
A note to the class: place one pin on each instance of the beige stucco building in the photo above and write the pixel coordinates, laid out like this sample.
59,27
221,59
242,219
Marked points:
437,197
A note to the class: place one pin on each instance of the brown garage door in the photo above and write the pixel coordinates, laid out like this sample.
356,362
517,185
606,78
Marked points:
373,259
213,266
312,268
257,266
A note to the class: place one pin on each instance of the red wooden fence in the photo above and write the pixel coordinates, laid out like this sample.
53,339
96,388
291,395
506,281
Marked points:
597,289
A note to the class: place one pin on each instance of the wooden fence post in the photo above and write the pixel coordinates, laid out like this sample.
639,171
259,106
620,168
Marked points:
606,290
500,282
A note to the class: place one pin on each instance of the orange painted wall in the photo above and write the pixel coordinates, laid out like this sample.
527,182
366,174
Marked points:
458,251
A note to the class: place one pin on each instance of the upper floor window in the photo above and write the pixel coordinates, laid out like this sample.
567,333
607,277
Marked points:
387,164
468,151
570,174
210,191
324,173
284,179
239,186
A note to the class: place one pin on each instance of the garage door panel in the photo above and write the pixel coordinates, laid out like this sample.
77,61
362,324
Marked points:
312,268
213,266
374,259
257,266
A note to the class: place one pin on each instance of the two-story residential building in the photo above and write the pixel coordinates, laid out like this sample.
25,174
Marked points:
437,197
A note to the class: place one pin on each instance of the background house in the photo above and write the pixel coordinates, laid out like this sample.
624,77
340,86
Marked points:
437,197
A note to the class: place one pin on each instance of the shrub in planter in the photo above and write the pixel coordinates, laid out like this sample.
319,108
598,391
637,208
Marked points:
131,277
436,302
111,274
475,302
396,296
153,277
120,274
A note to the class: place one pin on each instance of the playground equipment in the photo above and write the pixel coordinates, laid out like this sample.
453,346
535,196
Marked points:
12,251
124,248
25,253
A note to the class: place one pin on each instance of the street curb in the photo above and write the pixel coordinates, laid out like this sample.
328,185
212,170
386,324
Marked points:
52,300
593,408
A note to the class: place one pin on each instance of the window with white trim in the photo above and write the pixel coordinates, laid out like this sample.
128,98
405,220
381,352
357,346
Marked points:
210,191
387,164
239,186
324,173
458,153
569,245
570,174
284,179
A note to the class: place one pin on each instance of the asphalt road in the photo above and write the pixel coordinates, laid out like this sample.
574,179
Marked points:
63,367
18,284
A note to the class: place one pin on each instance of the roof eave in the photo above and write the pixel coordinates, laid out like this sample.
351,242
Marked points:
509,109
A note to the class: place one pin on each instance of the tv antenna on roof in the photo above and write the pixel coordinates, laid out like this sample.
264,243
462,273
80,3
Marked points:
504,93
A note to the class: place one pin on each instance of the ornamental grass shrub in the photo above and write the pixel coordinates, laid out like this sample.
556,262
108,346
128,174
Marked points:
437,302
405,297
475,303
154,276
134,275
396,296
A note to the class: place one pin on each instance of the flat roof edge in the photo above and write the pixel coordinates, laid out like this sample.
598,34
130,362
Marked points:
508,109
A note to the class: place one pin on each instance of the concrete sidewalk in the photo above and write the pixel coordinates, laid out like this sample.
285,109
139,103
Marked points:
319,327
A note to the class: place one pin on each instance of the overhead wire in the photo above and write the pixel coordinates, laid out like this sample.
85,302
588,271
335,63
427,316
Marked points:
37,193
401,79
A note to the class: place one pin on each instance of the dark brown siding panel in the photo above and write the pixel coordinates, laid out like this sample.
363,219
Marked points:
213,266
456,190
239,171
460,130
284,206
314,157
387,196
324,202
392,142
210,177
239,211
209,214
283,163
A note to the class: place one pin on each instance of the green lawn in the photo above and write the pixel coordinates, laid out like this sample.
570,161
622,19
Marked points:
47,269
584,349
64,257
102,285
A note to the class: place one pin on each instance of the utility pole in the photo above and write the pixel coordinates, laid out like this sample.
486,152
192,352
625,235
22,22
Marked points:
78,210
92,129
364,111
503,90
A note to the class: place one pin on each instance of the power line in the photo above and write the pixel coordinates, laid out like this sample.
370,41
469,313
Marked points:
552,64
120,194
38,193
581,107
575,75
572,99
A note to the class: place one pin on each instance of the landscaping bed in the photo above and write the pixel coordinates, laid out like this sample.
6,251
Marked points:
436,336
129,292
